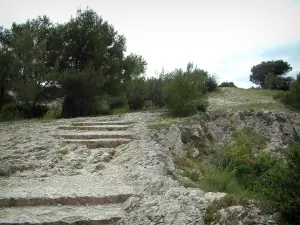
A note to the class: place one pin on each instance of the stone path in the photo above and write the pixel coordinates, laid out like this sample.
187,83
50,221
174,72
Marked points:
88,199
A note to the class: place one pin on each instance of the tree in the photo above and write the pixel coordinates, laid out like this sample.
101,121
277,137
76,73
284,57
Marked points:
34,76
259,72
90,42
7,69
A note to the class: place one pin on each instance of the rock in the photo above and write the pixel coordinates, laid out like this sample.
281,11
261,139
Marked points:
5,170
175,206
173,141
195,153
106,157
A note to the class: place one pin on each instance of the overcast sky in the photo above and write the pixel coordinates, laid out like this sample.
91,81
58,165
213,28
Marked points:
226,37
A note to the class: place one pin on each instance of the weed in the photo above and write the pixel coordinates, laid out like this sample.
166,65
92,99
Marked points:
62,151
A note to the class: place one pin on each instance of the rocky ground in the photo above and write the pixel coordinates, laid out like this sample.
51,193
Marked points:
114,170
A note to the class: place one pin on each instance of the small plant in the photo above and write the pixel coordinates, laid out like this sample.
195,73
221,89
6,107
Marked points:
62,151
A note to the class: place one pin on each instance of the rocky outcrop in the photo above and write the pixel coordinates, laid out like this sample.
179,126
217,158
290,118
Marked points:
278,128
238,214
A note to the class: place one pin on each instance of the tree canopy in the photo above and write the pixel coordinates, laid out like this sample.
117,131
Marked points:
83,60
277,68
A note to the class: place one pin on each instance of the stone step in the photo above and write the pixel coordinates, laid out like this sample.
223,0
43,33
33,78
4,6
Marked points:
95,135
96,214
64,190
99,143
102,123
98,128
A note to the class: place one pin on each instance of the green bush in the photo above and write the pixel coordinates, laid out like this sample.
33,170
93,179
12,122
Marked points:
154,91
100,106
11,112
117,102
184,91
292,97
211,83
281,184
54,112
136,94
227,84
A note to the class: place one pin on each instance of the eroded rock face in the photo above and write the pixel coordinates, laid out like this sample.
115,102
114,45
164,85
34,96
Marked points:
278,128
244,215
177,205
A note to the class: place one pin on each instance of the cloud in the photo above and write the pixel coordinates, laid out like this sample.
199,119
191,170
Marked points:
224,37
290,51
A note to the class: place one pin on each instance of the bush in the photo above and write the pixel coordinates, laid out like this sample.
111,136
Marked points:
54,112
227,84
15,111
100,106
117,102
292,97
281,184
211,83
184,91
154,91
11,112
136,94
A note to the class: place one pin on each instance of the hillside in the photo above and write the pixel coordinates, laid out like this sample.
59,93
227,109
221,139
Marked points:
239,98
143,167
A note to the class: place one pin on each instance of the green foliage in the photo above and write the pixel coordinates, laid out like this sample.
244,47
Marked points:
211,83
243,170
154,91
117,102
184,91
11,112
275,68
100,106
79,60
292,97
277,83
136,94
54,112
227,84
7,67
281,184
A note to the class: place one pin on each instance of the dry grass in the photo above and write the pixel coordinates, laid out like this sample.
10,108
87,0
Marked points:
239,98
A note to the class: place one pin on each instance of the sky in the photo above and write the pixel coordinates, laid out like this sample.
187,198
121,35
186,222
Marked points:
225,37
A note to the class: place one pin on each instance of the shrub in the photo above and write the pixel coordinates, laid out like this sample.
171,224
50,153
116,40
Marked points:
211,83
292,97
136,94
54,112
117,102
184,91
227,84
281,184
154,91
11,112
100,106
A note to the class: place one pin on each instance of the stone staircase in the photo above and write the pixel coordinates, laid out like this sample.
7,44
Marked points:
108,134
78,199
